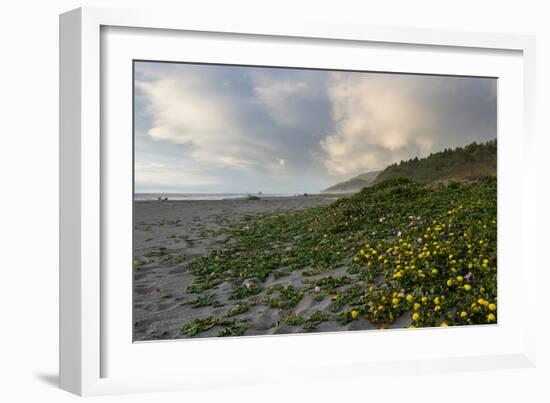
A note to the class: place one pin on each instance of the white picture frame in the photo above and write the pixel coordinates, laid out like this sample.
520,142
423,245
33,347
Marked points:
88,337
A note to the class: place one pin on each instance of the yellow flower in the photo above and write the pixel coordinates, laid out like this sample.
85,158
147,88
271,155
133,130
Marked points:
415,316
354,314
416,306
424,299
409,297
437,308
463,314
395,301
449,282
467,287
459,278
481,301
492,307
436,300
491,318
434,271
443,324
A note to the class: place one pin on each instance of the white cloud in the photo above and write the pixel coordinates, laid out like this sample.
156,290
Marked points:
377,119
234,162
282,98
183,112
220,125
249,127
152,176
187,110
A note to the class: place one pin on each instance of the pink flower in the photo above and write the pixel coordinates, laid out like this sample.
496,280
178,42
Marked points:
317,289
248,285
237,254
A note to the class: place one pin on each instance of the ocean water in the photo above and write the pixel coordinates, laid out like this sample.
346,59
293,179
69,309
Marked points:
200,196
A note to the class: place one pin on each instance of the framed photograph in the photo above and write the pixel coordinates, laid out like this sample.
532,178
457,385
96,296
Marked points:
240,203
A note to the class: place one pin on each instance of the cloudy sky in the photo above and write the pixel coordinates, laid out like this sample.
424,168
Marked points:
234,129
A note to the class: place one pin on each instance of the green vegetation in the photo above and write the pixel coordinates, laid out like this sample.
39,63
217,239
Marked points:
315,320
287,297
137,263
205,299
234,327
425,252
292,319
469,162
354,184
198,325
238,309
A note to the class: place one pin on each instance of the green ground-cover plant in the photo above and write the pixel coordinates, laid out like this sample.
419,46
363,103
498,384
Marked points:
235,327
427,251
238,309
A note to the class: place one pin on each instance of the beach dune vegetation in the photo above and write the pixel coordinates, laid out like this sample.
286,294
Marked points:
425,252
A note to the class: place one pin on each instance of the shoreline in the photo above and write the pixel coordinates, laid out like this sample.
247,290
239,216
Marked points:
252,197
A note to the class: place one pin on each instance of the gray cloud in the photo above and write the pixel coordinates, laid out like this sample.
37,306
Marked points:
382,118
241,129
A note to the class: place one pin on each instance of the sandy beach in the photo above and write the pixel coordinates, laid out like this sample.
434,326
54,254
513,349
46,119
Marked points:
397,255
170,235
